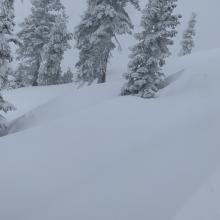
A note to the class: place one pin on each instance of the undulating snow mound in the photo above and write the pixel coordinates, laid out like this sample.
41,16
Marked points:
91,154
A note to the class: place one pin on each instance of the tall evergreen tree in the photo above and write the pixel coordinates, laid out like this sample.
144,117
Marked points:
35,34
50,69
6,36
145,76
187,43
95,36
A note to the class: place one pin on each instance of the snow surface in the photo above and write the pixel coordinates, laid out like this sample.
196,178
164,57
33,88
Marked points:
90,154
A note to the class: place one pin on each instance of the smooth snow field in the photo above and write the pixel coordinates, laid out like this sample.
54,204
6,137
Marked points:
90,154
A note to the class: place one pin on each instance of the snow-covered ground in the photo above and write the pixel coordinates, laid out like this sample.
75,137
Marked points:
90,154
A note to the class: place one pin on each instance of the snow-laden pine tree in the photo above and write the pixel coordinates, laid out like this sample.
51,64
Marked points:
187,43
35,34
6,37
145,76
96,36
50,69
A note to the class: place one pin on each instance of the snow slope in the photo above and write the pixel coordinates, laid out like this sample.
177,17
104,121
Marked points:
91,154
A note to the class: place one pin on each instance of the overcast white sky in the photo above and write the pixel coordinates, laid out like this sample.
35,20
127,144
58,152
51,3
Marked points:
208,29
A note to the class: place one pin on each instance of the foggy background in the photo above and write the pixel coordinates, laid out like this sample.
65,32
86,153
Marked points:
208,30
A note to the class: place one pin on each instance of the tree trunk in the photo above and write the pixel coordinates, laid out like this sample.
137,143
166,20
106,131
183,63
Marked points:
35,83
102,77
35,80
103,70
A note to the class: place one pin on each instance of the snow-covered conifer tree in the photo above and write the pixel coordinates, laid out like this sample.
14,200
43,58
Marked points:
52,54
187,43
96,36
35,34
6,36
145,76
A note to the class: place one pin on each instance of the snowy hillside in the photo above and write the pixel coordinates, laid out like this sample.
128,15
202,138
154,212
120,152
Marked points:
91,154
88,153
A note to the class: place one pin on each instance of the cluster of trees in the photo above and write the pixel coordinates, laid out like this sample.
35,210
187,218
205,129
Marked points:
44,38
96,37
